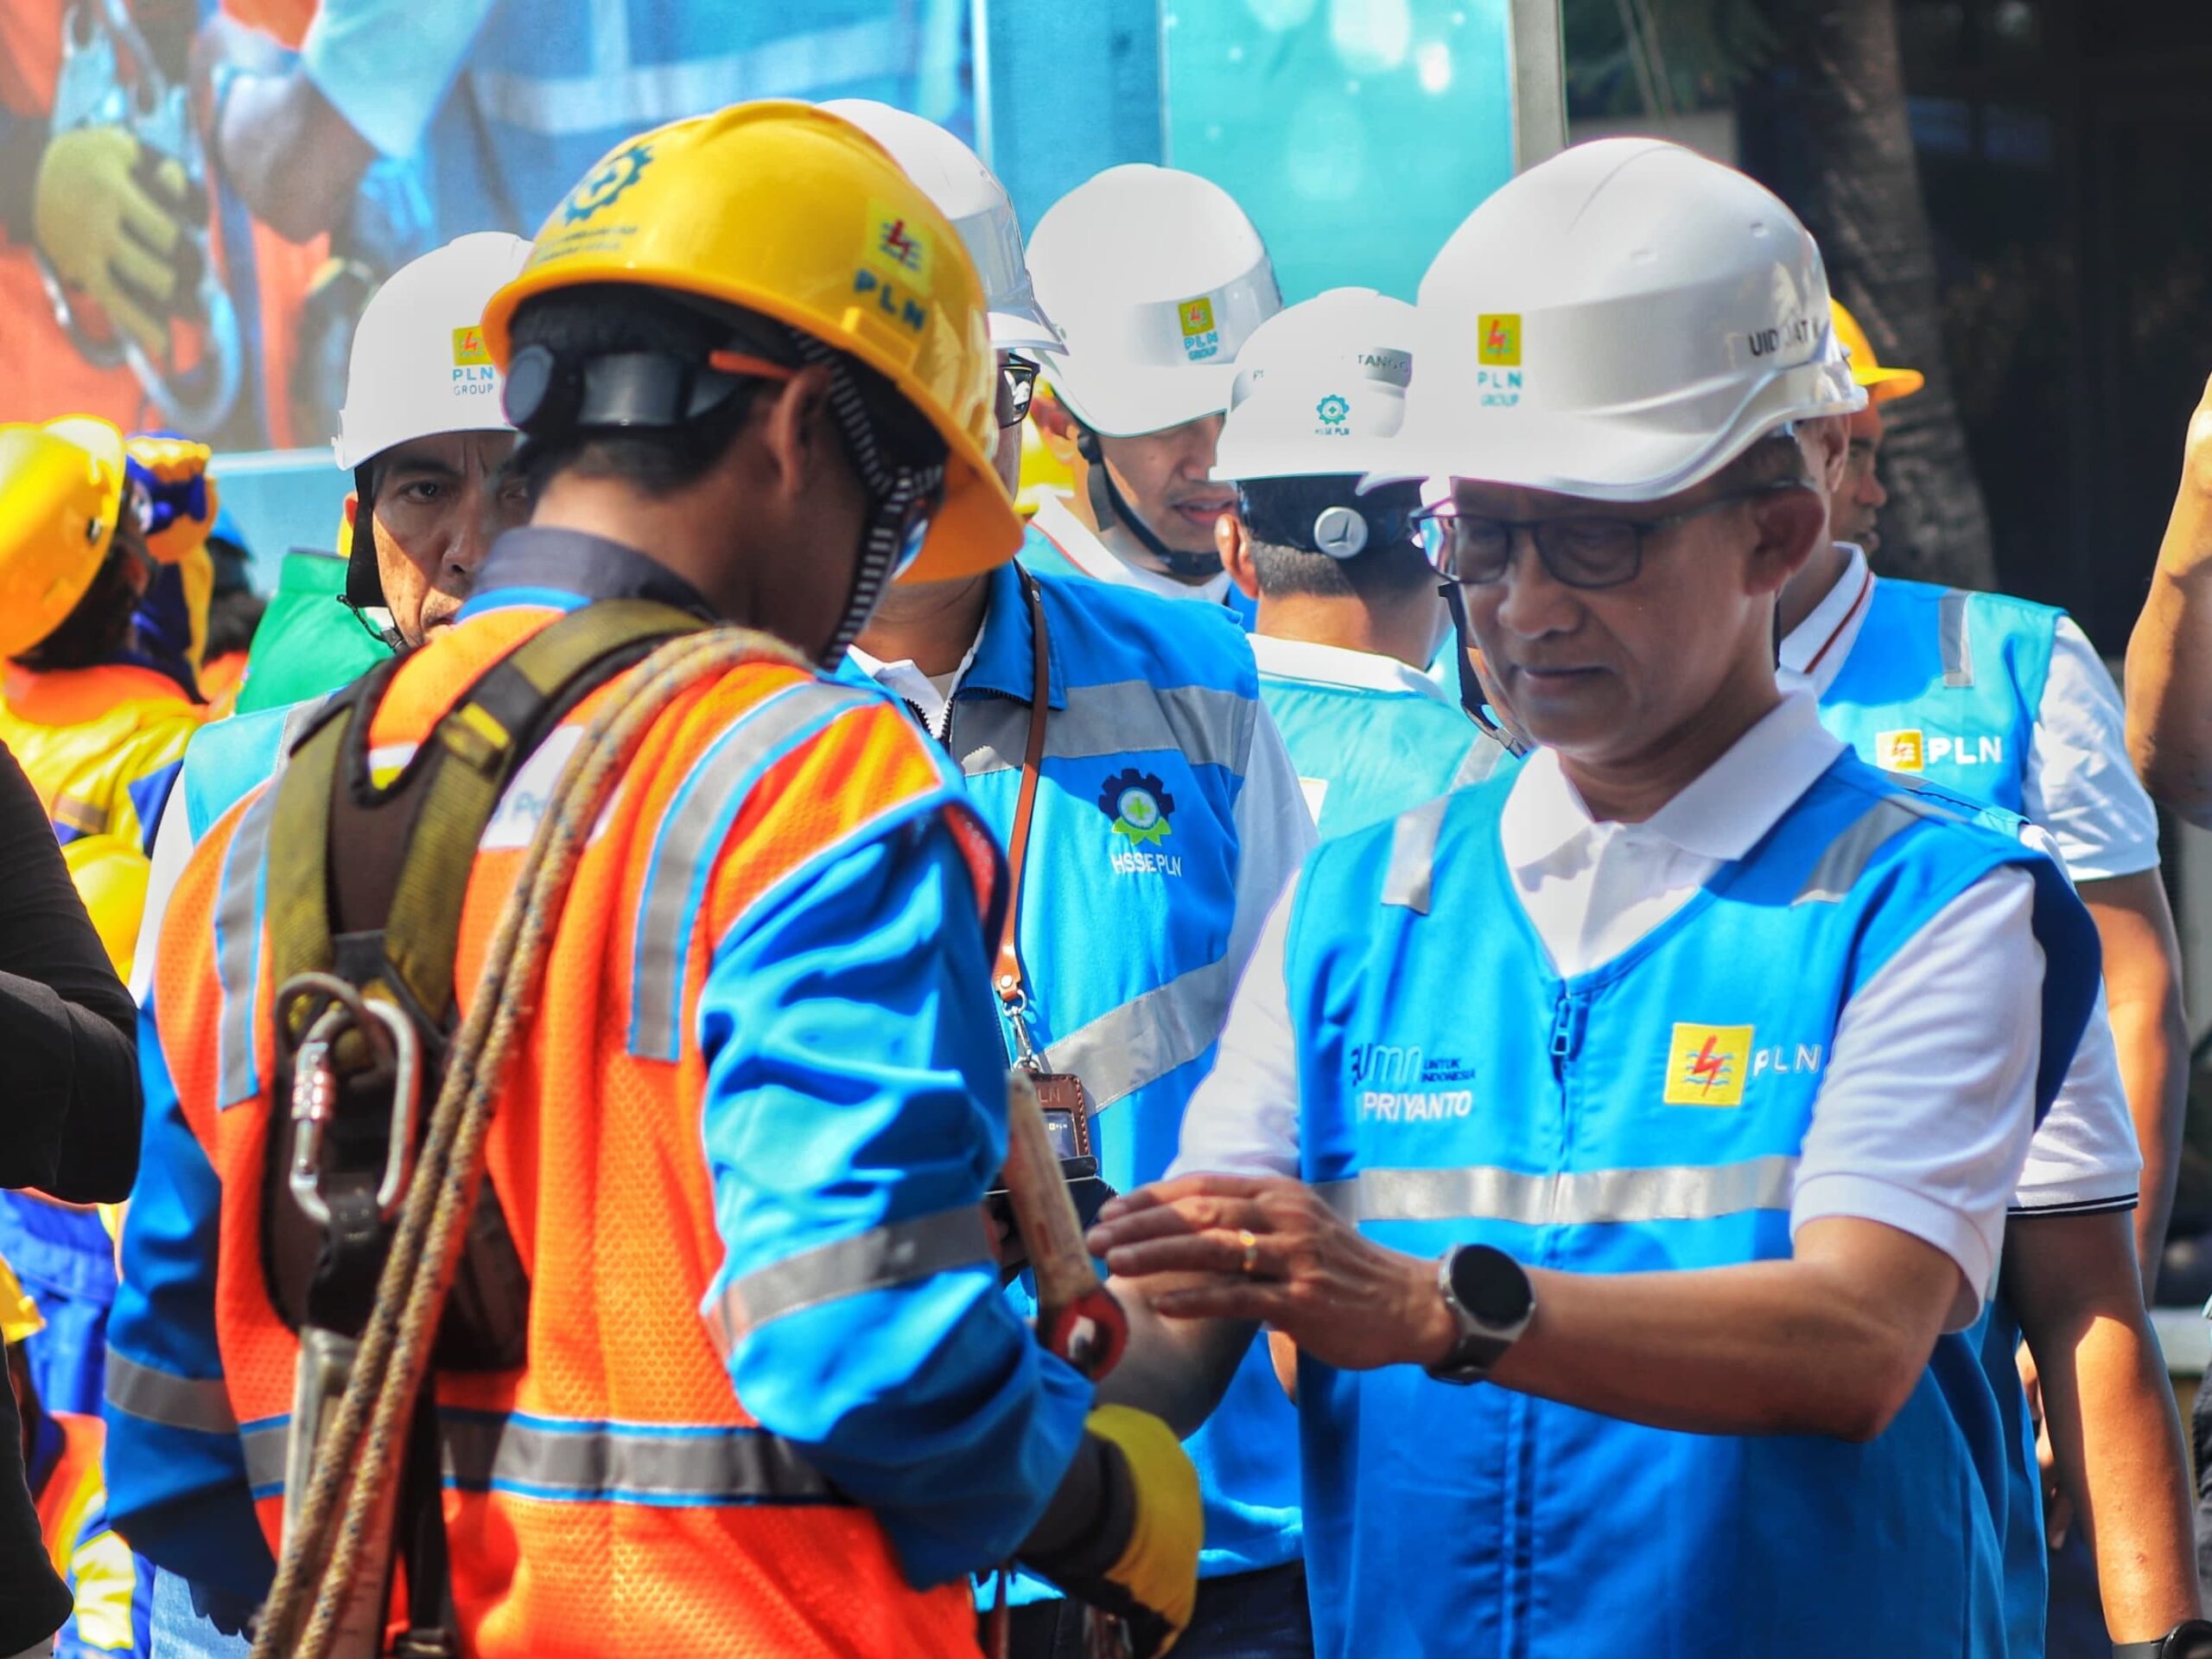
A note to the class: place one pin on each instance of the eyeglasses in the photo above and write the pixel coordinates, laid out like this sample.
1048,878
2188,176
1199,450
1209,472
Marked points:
1017,384
1587,552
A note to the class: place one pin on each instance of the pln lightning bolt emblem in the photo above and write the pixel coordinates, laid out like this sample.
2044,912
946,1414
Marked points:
1709,1067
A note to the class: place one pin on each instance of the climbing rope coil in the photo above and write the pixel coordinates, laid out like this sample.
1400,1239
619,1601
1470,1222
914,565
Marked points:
328,1601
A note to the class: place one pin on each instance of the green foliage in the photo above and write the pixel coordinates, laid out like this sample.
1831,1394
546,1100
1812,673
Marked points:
1684,55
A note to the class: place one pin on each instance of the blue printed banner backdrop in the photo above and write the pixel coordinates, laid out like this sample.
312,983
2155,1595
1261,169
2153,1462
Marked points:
196,199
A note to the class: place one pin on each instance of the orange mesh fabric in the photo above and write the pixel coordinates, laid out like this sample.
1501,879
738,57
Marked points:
598,1159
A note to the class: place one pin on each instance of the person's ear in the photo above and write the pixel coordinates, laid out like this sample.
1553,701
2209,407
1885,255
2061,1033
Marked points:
1827,446
792,421
1791,524
1234,543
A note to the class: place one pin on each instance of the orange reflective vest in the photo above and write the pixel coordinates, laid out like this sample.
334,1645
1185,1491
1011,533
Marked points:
74,1486
613,1496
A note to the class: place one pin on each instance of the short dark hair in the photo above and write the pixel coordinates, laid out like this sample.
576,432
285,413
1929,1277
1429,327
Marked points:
1278,515
100,626
1776,458
598,318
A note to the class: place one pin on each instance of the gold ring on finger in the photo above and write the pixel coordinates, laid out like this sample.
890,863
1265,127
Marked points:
1251,1243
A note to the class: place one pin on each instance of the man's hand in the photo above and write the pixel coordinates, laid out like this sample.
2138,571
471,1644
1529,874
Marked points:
112,217
1270,1249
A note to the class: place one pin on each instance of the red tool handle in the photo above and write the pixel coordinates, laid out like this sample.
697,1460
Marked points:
1077,1317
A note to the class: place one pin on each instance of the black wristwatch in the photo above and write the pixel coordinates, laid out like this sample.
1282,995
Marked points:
1490,1300
2190,1639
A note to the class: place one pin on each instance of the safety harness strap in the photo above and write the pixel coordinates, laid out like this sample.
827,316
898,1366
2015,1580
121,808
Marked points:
457,777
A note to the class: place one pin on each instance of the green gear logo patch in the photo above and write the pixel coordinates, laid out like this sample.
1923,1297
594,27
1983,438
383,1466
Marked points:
605,183
1332,409
1140,807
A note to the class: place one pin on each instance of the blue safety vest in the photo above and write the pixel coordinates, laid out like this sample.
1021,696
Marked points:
1645,1116
1364,754
1944,684
1126,902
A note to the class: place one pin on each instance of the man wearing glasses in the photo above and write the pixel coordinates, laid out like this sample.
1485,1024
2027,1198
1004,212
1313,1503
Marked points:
1163,820
1626,1144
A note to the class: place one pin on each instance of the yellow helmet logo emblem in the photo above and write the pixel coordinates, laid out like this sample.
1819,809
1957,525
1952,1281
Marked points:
604,184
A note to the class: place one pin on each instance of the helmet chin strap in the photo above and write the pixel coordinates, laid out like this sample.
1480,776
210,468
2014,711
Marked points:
1108,506
891,490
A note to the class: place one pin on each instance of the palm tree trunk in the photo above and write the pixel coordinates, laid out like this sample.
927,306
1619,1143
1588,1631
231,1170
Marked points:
1827,131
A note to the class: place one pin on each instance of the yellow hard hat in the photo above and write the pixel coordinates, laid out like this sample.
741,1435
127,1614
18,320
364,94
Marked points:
1882,385
61,489
19,1315
796,213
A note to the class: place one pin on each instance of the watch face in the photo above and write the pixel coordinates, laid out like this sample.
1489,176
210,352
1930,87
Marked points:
1491,1285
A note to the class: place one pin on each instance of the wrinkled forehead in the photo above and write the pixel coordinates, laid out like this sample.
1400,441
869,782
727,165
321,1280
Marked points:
447,454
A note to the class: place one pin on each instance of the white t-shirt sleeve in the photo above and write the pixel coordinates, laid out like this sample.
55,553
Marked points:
2080,784
172,845
1274,834
2084,1156
1242,1119
1923,1119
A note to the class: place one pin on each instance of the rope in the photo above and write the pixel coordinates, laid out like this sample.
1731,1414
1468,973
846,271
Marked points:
336,1532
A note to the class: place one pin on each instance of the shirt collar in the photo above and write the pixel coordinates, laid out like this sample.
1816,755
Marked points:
1720,815
1089,554
1360,670
999,662
1814,652
1005,664
567,569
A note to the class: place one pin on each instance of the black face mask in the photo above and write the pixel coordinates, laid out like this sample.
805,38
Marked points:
1108,506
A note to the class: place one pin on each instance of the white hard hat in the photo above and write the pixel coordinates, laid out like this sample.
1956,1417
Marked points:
1321,388
419,366
969,195
1156,279
1619,322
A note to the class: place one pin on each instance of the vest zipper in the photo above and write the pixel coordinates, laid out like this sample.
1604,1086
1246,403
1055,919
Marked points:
1566,1032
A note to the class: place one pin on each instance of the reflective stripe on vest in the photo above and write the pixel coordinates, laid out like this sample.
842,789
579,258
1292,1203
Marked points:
157,1397
1407,881
1148,1036
701,811
574,1461
1210,728
880,1257
1951,638
1681,1193
1839,867
237,950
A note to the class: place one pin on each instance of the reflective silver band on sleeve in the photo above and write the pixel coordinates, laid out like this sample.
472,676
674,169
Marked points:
894,1254
158,1396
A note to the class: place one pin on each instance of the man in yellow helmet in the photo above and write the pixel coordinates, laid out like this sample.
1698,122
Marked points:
751,1386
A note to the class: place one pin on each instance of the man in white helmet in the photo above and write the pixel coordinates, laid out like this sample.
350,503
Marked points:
1636,1162
1163,820
424,436
1349,612
1155,278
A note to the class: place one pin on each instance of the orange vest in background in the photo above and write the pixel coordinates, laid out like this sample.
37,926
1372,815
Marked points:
613,1496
